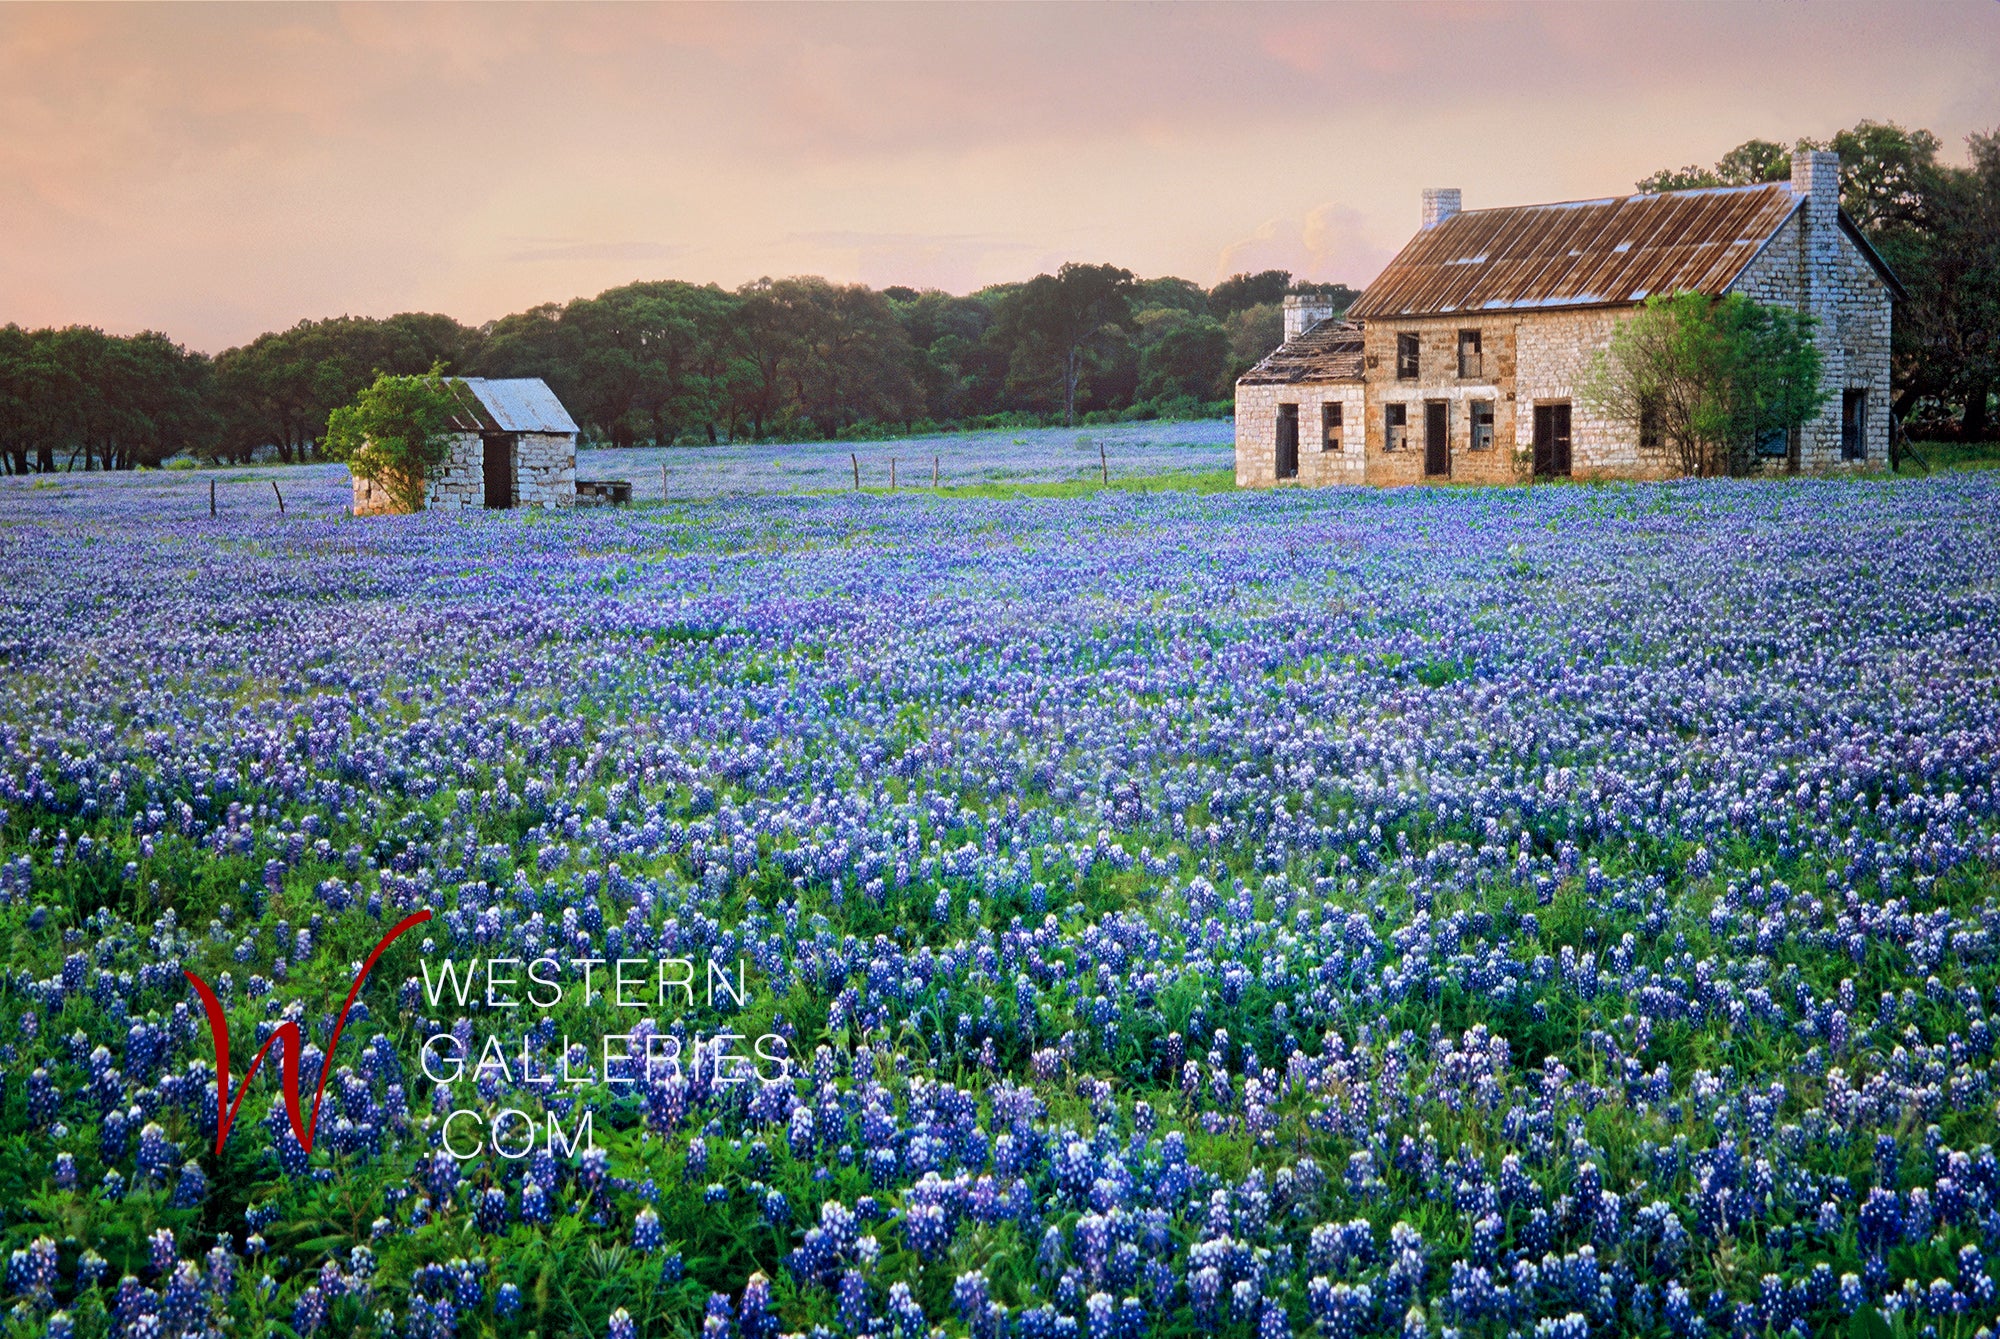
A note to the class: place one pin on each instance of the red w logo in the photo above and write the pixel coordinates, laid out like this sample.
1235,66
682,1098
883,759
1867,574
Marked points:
288,1032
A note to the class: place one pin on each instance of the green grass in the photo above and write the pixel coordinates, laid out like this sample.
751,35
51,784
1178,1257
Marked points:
1959,455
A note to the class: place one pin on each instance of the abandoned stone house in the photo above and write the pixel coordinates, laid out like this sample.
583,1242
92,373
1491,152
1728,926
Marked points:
512,445
1460,362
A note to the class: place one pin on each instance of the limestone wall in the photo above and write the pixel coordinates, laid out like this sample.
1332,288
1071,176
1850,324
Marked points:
1812,265
544,475
544,470
1257,434
1437,378
1539,357
461,481
1556,349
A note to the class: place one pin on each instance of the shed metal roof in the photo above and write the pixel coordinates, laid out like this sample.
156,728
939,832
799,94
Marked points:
1329,351
1585,253
516,404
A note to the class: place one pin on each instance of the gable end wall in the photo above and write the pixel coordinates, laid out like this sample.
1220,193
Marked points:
544,475
1829,277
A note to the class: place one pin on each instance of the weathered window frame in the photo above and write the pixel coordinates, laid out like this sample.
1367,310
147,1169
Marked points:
1471,355
1651,435
1332,428
1395,426
1480,414
1409,357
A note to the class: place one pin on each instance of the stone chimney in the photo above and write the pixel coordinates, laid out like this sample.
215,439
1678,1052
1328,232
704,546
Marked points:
1303,311
1440,203
1816,180
1816,176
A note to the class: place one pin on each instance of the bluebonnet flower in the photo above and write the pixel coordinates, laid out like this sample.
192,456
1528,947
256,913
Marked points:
646,1233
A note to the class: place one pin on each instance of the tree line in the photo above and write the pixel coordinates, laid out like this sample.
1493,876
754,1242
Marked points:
664,361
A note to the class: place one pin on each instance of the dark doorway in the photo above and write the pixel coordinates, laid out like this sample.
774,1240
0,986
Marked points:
1551,441
1854,425
1288,441
1437,437
499,467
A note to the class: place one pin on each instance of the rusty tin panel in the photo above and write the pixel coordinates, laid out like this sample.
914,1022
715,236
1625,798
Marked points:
1587,253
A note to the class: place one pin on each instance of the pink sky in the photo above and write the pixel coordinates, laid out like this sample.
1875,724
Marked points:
217,172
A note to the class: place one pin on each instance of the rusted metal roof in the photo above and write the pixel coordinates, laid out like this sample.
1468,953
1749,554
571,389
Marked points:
1329,351
516,404
1586,253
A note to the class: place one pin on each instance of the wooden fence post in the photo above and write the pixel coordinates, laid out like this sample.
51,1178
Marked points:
281,497
857,470
663,481
1103,462
892,474
934,471
211,497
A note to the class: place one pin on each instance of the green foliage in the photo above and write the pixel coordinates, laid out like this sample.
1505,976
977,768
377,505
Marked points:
395,433
1748,163
1060,327
1191,360
112,402
1253,333
1174,294
1717,377
279,389
1239,292
1341,295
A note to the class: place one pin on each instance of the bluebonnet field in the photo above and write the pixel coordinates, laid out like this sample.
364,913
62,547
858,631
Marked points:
1554,912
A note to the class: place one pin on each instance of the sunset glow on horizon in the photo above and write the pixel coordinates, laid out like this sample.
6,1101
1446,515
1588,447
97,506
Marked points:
215,172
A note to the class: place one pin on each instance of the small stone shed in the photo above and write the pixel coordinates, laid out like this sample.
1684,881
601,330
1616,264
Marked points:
513,445
1460,362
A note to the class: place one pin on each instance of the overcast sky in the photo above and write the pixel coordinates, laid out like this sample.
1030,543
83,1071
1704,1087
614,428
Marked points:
217,172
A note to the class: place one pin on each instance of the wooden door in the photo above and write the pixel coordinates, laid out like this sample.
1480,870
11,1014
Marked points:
498,464
1437,438
1551,440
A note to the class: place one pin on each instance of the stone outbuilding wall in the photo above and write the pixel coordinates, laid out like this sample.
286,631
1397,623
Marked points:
1324,457
544,475
544,470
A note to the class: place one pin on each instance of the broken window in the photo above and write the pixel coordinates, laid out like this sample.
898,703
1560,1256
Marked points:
1395,427
1329,420
1650,435
1482,425
1470,363
1406,357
